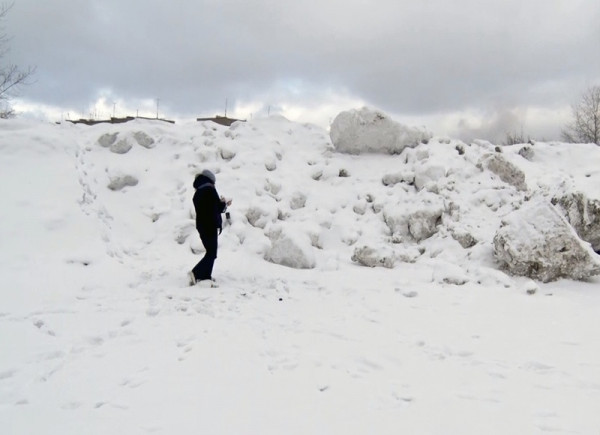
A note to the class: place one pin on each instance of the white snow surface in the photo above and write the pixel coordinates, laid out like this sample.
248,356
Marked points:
101,334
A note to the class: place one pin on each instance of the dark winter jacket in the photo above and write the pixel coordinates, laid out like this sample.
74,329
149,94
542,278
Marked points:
208,205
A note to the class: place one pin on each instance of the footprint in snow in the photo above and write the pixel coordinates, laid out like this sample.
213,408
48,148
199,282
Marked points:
152,311
41,325
132,383
536,366
186,347
407,293
402,400
126,322
7,374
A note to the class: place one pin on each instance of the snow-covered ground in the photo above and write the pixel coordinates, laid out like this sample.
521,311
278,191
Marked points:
101,334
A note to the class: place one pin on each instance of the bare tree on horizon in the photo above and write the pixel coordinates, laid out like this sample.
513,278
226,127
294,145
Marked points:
11,76
585,127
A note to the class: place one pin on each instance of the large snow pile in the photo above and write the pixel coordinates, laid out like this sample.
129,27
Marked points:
368,130
359,292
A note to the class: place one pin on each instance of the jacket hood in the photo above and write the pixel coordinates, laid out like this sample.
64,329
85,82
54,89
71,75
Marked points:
201,180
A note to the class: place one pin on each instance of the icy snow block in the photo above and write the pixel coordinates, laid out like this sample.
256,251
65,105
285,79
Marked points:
259,216
417,218
107,139
423,224
464,237
583,213
537,242
291,250
507,171
527,153
407,177
143,139
370,131
371,257
119,182
428,173
120,147
227,153
297,201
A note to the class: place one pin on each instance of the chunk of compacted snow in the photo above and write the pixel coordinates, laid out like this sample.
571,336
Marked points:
367,130
537,242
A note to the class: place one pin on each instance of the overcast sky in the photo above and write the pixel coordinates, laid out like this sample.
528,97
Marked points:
465,68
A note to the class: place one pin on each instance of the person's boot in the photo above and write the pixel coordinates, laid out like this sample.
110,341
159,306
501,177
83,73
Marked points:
208,283
192,278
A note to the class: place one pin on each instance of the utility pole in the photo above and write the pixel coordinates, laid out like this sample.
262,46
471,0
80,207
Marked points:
157,100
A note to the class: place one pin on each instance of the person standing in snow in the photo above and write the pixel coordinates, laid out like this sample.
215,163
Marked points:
209,206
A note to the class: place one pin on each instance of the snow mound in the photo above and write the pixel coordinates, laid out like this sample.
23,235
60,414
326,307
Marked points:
292,249
371,131
299,203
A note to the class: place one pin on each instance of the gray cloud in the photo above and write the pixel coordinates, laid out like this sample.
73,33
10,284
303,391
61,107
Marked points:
406,57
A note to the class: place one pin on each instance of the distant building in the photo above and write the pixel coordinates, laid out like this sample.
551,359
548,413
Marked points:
223,120
114,120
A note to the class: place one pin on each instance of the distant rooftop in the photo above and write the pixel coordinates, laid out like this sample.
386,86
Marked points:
223,120
114,120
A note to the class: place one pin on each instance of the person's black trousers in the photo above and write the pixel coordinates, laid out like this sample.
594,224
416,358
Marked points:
203,270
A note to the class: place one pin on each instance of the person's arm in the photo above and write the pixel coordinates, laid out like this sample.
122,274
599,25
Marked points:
222,205
225,203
